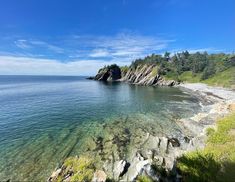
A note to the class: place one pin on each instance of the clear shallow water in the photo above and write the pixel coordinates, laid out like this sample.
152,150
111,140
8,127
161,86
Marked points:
43,120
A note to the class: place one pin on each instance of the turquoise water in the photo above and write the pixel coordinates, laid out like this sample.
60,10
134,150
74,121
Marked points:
45,119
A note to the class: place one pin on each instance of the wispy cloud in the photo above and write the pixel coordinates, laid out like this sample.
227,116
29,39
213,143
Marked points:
51,47
35,44
121,45
23,44
82,54
99,53
35,66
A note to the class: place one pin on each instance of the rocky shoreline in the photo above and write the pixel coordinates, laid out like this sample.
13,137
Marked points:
156,155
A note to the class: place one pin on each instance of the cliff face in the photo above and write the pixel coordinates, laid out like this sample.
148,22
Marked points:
146,75
109,73
142,75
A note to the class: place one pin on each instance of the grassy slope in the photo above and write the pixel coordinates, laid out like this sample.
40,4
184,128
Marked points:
217,161
188,76
225,78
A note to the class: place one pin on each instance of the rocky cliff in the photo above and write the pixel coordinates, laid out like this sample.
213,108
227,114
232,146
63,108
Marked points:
146,74
108,73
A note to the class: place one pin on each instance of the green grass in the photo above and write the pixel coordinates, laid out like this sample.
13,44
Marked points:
144,178
154,71
171,76
82,168
217,161
225,78
188,76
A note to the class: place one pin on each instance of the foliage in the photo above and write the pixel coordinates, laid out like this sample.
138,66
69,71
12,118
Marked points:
124,69
188,76
153,59
112,66
192,67
208,71
217,161
82,167
221,136
144,178
154,71
210,131
109,67
198,166
225,78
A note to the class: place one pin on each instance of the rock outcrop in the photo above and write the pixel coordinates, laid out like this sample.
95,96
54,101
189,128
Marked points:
141,75
108,73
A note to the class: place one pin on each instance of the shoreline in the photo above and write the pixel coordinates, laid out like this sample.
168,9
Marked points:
163,151
218,102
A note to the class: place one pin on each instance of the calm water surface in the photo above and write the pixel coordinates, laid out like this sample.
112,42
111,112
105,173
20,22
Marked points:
44,119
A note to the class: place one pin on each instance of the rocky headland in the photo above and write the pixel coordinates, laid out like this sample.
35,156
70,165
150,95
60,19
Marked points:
141,75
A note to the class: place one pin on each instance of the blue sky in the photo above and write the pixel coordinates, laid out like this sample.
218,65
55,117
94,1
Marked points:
77,37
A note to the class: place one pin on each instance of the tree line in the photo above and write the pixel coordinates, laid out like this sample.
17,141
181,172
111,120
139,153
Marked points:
198,63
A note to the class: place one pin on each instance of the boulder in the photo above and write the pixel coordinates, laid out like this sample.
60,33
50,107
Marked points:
136,167
99,176
118,168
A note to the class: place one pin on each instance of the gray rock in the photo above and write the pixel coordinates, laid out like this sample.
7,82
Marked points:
136,167
158,160
142,75
163,144
118,168
175,142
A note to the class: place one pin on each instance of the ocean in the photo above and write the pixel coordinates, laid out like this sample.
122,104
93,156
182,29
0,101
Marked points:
44,119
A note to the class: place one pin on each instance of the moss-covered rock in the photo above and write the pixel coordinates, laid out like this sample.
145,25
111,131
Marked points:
75,169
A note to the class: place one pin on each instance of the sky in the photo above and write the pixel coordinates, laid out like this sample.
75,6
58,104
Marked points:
77,37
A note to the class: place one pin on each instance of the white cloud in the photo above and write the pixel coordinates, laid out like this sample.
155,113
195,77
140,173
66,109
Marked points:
123,45
81,54
48,46
10,65
23,44
34,44
99,53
